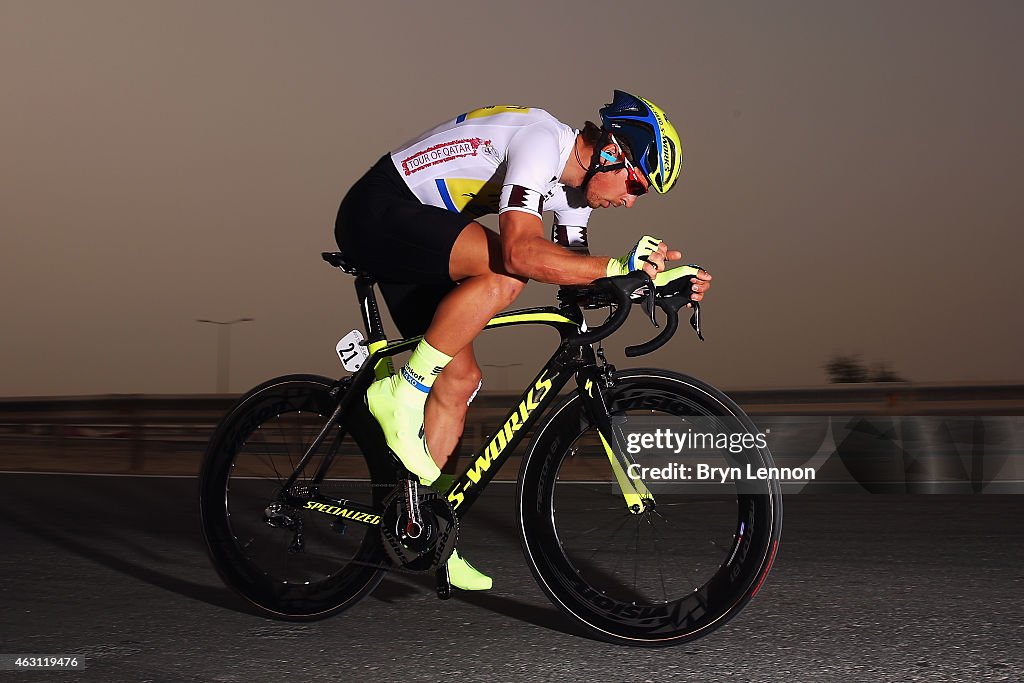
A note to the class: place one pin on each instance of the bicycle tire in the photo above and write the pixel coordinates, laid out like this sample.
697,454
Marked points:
253,450
559,538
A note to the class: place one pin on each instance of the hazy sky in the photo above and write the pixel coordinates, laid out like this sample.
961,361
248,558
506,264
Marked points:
852,176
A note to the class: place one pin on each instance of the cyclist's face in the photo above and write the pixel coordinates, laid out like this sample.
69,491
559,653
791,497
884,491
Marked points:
615,188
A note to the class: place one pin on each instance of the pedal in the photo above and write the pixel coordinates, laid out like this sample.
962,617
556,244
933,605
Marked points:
444,584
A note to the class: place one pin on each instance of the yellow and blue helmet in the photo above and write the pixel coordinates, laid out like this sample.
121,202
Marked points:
651,137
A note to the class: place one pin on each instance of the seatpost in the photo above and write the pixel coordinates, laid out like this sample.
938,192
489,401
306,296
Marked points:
368,309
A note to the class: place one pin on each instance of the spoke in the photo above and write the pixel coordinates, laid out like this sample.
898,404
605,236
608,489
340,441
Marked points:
657,553
694,583
612,507
590,531
636,555
615,569
689,577
255,442
270,454
300,429
300,439
259,438
695,502
284,441
610,538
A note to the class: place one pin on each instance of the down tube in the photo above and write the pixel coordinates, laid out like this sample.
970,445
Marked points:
488,460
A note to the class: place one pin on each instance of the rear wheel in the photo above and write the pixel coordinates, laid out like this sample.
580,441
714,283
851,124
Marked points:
682,567
286,559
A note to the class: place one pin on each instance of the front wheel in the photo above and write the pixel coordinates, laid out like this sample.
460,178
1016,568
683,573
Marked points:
690,560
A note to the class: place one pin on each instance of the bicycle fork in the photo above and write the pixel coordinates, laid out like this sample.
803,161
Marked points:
591,383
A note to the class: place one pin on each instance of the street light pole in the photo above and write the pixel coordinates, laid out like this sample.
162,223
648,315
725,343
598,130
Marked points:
224,350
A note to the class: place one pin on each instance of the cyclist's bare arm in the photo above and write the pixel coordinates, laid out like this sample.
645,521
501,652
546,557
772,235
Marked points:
527,253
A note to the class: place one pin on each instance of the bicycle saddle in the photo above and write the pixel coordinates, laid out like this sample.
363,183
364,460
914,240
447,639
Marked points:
337,259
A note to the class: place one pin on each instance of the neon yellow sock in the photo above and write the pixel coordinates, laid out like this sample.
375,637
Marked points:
425,364
397,402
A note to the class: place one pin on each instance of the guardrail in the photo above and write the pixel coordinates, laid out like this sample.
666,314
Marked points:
141,424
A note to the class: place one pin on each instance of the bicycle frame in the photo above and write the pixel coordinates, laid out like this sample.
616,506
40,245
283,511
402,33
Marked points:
569,360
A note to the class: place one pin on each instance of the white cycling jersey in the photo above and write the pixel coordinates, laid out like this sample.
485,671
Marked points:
497,159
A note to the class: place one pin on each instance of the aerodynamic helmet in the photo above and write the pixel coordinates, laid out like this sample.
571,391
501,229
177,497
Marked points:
651,137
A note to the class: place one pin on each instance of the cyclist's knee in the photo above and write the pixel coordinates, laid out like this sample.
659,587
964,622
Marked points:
506,289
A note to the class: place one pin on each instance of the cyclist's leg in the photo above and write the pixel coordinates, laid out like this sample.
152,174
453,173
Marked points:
485,288
385,230
397,406
445,412
398,403
412,308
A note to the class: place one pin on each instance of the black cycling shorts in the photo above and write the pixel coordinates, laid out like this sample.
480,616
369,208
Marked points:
383,229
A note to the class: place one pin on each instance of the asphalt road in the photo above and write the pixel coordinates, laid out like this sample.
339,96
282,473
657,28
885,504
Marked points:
865,588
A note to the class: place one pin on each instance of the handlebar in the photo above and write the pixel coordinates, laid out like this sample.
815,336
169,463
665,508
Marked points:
618,289
622,292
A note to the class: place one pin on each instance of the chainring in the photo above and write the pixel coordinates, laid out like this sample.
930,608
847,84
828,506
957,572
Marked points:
434,545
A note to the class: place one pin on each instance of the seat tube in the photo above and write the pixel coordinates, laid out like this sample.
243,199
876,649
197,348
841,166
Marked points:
375,337
369,310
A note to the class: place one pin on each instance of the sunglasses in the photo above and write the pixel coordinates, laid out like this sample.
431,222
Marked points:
634,185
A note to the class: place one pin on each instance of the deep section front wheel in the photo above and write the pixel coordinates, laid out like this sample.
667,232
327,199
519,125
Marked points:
683,566
288,560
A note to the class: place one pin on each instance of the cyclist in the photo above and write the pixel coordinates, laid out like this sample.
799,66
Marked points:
410,221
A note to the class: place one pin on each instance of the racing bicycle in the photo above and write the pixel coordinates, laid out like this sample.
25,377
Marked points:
305,509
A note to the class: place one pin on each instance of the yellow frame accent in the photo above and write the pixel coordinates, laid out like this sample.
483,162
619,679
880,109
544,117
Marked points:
634,491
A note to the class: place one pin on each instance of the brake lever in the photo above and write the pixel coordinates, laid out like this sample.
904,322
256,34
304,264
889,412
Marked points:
650,305
695,319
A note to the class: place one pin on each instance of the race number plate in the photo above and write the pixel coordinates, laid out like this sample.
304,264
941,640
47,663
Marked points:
352,351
